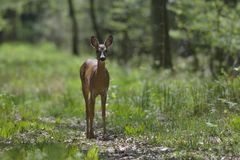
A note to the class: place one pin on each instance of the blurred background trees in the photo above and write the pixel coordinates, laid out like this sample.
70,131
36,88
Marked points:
75,34
160,30
204,33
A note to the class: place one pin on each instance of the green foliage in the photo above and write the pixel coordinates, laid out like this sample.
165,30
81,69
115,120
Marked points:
126,20
207,23
235,123
208,28
136,130
92,154
197,28
21,20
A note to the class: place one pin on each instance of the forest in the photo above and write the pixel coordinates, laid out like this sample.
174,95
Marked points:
174,88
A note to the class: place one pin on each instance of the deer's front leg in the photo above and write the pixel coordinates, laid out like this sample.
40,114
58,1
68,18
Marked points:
103,100
91,115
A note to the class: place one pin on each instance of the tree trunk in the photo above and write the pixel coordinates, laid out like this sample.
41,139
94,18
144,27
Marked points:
161,46
168,56
75,39
94,21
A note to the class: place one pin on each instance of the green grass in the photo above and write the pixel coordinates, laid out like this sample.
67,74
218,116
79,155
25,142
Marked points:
197,117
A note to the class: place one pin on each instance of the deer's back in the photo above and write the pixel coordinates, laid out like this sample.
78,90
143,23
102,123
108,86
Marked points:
94,79
87,70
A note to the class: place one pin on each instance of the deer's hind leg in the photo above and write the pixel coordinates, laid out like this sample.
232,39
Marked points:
91,114
86,98
85,91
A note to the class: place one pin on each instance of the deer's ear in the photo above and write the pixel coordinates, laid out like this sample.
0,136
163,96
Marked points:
94,42
108,41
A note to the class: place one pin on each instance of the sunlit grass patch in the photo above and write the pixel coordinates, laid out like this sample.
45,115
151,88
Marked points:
134,130
92,154
235,123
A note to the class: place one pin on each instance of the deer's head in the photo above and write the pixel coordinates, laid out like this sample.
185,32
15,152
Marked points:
101,49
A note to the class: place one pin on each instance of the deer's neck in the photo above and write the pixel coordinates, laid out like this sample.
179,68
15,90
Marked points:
100,67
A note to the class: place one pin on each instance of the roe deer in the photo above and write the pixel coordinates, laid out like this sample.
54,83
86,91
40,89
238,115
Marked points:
95,81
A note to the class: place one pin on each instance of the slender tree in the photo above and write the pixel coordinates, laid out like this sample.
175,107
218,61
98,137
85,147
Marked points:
160,29
94,20
75,38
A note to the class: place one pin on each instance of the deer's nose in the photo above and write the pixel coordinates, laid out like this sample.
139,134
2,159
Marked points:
102,57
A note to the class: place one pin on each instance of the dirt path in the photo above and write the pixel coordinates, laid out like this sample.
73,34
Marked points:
121,147
116,146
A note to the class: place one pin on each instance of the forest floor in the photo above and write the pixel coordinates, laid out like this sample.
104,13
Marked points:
150,114
114,146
